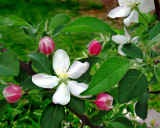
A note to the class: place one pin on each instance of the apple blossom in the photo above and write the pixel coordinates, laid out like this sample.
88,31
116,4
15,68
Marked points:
123,39
61,64
104,101
127,8
46,45
94,48
153,118
12,93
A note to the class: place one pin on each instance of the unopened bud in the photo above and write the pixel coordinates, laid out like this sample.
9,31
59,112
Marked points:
94,48
12,93
46,45
104,101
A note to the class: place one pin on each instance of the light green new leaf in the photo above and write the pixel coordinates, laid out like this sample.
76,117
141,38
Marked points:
157,74
108,75
41,62
9,64
52,116
88,24
133,85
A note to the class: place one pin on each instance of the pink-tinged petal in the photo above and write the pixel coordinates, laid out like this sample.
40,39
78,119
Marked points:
12,93
45,81
146,6
121,11
62,95
120,39
120,50
94,48
101,105
157,122
77,88
77,69
46,45
61,61
132,18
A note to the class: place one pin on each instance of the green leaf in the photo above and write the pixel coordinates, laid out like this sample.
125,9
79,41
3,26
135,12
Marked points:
59,19
108,75
132,51
124,121
21,76
77,105
41,26
157,73
52,116
85,78
9,64
28,84
3,105
117,125
133,85
5,22
154,35
41,62
141,108
88,24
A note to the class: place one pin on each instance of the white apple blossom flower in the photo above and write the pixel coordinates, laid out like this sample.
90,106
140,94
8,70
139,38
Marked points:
123,39
127,8
61,63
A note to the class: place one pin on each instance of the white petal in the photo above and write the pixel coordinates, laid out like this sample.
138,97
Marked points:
120,11
122,2
120,51
45,81
61,61
119,39
77,69
146,6
77,88
132,18
62,95
127,34
135,40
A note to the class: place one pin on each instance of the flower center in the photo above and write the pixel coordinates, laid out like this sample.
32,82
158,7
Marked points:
152,122
108,102
62,74
131,3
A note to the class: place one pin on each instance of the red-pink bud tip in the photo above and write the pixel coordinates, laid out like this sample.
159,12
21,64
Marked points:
94,48
12,93
46,45
104,101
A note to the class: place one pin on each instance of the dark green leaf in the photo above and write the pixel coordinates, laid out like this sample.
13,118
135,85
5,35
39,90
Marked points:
9,64
41,62
124,121
108,75
132,51
3,105
141,108
157,73
77,105
88,24
28,84
21,76
154,35
52,116
133,85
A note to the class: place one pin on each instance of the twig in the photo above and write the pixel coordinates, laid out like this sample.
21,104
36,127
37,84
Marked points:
156,62
157,7
84,119
154,92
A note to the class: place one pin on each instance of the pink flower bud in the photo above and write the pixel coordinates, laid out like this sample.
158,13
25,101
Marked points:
46,45
12,93
94,48
104,101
